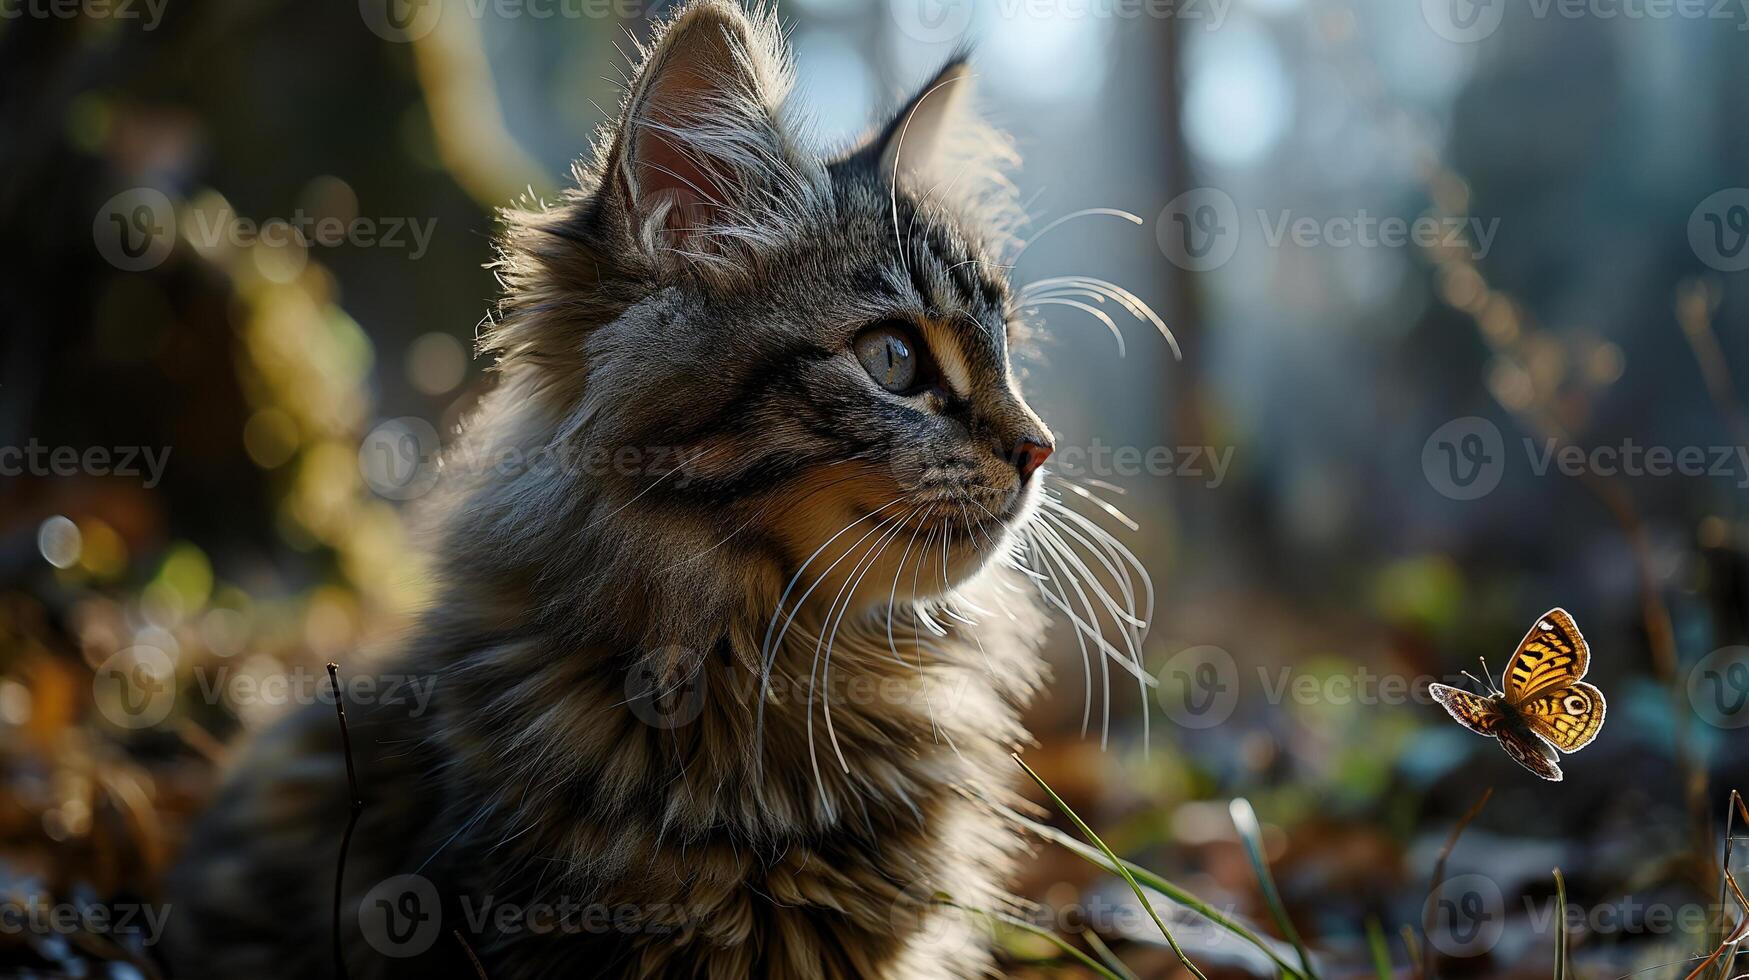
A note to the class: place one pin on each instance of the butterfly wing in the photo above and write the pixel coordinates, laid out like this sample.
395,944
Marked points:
1553,656
1531,753
1568,718
1485,717
1479,714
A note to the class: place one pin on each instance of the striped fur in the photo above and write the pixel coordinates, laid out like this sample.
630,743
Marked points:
735,644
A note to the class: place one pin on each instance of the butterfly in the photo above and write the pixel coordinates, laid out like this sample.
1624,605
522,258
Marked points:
1545,705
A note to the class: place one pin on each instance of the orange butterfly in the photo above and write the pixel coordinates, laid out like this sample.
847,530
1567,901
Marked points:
1545,705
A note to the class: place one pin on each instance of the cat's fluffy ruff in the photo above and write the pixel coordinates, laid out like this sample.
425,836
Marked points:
691,297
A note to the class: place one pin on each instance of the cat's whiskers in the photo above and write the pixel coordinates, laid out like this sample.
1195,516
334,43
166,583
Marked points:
1061,521
846,595
1093,311
1071,216
916,609
1051,551
932,192
1061,290
1108,542
1079,570
769,648
1098,540
1067,582
1059,599
764,507
1089,626
683,464
893,593
1081,491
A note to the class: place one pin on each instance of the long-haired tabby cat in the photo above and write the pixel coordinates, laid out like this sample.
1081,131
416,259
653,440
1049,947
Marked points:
741,567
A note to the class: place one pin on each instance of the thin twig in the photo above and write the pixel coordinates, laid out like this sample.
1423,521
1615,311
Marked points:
1560,926
1695,302
1732,807
1457,831
1726,967
351,819
479,968
1730,942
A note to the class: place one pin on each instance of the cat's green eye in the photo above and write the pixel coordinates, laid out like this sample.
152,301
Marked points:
893,357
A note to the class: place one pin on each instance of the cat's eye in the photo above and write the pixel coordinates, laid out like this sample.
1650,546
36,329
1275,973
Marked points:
894,357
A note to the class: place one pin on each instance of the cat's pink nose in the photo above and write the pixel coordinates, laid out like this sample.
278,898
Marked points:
1030,454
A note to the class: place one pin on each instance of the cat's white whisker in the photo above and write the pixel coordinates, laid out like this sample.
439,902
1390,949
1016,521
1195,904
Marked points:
1071,216
1091,625
770,647
1112,555
893,593
678,467
1115,549
1064,558
1083,631
1058,528
1131,303
1085,578
1095,500
846,595
1045,580
1093,311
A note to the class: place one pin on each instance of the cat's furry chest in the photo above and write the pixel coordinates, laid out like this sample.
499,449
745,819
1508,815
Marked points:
877,716
734,833
593,836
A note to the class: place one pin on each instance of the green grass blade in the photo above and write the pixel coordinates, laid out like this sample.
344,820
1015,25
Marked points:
1094,856
1560,926
1412,949
1117,863
1381,951
1251,835
1043,933
1106,956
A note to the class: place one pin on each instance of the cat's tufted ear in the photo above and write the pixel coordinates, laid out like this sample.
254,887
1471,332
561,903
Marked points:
700,143
916,145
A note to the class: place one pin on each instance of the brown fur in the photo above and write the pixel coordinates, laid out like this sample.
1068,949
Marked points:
751,694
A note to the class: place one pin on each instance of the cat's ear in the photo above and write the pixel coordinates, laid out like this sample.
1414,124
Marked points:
916,145
700,142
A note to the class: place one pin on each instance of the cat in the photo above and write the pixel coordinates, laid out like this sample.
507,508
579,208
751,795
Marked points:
729,663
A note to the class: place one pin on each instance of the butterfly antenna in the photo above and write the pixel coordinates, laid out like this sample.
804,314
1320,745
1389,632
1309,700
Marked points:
1478,681
1483,661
